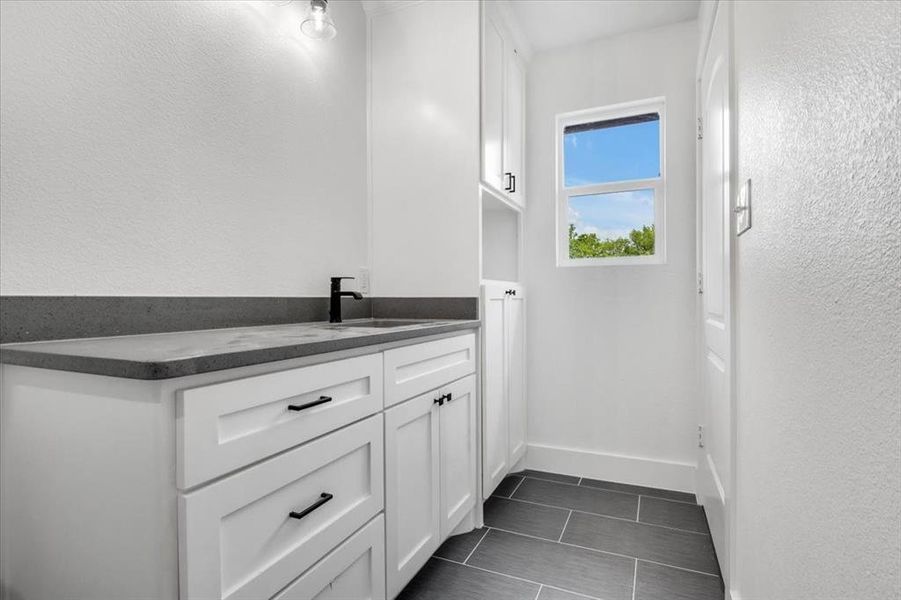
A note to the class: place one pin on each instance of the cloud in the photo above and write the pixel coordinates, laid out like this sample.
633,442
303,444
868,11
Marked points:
612,215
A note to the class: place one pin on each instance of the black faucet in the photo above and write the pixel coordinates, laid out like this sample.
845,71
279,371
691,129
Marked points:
334,311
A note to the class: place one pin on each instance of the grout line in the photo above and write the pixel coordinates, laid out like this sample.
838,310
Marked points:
568,517
517,487
538,583
535,537
601,489
638,514
468,556
635,580
585,512
540,587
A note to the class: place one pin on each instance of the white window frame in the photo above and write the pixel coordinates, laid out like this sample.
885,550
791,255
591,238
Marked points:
658,184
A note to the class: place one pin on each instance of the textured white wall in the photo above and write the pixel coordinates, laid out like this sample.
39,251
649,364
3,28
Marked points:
180,148
611,349
819,313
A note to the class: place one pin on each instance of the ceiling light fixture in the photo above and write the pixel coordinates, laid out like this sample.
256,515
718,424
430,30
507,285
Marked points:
318,25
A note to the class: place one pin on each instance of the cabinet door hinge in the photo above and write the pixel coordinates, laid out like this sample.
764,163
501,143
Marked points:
700,283
700,129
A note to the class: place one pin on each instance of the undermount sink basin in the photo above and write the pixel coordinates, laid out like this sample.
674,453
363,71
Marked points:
381,323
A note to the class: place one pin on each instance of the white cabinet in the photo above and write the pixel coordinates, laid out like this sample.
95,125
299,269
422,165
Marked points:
252,533
430,482
212,486
227,425
503,381
414,370
411,488
503,108
458,431
493,104
355,570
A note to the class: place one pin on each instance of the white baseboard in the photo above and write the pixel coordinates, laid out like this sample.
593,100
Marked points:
668,475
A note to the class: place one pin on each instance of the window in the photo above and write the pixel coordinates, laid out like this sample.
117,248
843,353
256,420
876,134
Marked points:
610,185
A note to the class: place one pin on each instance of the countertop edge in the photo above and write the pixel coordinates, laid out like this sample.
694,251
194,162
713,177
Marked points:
159,370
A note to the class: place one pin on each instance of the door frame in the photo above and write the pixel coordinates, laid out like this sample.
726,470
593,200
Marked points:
707,19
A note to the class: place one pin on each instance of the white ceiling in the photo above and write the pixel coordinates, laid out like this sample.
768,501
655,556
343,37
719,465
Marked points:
552,23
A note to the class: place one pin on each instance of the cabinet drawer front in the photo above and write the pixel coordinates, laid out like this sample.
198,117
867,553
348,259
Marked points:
355,570
238,538
225,426
414,370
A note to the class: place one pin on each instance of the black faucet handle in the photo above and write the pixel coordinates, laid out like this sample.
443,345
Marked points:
336,282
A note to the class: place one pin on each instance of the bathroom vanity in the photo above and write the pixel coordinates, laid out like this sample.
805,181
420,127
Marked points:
291,462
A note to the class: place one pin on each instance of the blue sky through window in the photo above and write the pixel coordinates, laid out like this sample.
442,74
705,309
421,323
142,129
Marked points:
612,154
603,155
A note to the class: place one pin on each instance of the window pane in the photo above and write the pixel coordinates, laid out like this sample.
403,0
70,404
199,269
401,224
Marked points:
612,150
614,224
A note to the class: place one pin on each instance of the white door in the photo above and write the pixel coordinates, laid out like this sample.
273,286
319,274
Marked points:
411,488
515,322
492,103
514,115
457,419
714,472
494,389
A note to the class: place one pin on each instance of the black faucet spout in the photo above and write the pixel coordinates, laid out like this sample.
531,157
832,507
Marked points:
334,313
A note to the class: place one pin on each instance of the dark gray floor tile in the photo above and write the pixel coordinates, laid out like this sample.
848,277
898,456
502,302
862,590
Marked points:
555,594
442,580
522,517
638,489
657,582
549,476
673,514
678,548
458,547
576,569
576,497
506,487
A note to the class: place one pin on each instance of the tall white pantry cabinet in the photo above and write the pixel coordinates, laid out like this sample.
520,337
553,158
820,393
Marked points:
447,146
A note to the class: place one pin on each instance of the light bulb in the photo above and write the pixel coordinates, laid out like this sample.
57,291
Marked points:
318,25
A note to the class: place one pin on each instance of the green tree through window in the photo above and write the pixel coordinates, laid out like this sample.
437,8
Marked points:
587,245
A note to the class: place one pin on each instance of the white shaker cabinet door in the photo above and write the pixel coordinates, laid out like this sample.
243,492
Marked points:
516,392
412,519
494,389
457,419
514,126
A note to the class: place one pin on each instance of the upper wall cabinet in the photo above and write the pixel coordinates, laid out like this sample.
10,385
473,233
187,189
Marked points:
503,108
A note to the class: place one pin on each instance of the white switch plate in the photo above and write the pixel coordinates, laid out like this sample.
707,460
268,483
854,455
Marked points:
742,208
363,280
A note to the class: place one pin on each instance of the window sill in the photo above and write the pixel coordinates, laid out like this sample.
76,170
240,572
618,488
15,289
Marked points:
613,261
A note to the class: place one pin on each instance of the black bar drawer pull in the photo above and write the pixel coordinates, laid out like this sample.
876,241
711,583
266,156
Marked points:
323,498
322,400
512,182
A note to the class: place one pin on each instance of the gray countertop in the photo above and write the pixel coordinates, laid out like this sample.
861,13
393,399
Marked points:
167,355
